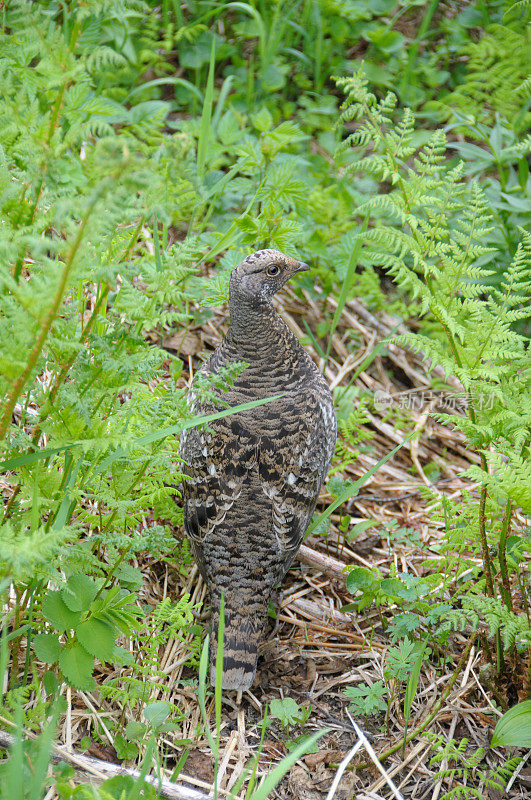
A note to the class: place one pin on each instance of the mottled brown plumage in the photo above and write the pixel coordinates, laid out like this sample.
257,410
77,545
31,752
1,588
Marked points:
255,476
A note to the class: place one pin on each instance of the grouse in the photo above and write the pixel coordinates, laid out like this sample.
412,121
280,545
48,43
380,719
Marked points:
255,475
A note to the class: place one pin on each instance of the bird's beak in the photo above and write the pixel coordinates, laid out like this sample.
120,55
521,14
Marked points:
302,266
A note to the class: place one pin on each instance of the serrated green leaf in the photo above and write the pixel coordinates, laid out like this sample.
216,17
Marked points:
393,587
97,637
79,592
58,614
262,120
70,599
47,647
514,728
77,665
273,78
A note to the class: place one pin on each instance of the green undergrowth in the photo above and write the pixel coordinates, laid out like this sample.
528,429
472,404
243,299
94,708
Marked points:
140,143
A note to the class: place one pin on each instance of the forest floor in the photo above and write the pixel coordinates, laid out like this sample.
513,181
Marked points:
315,651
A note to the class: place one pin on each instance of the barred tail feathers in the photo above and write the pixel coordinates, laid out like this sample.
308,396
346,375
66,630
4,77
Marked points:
240,650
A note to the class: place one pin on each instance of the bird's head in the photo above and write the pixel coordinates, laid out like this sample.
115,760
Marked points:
259,276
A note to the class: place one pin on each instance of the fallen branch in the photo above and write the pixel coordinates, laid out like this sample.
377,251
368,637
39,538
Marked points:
327,564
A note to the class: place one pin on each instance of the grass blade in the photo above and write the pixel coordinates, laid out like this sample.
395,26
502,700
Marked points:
408,76
201,694
206,116
367,361
29,458
219,665
218,688
276,775
180,765
353,488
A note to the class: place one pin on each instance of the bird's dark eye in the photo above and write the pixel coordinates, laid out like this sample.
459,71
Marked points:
273,270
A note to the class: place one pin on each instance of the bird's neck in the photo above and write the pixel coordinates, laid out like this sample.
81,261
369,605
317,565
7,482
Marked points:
257,331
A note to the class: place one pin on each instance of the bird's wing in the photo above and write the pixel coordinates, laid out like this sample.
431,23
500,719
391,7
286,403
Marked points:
217,459
292,473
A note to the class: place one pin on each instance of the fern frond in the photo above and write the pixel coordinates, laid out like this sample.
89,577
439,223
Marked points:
497,75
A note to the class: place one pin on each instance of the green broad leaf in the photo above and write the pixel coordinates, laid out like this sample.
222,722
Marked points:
124,749
120,786
349,608
273,77
77,665
514,728
393,587
157,713
367,699
135,730
79,592
196,53
97,637
335,485
387,41
286,710
143,112
381,7
47,647
262,121
359,579
58,614
50,682
360,527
